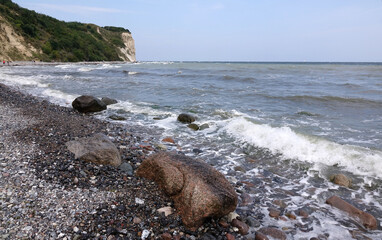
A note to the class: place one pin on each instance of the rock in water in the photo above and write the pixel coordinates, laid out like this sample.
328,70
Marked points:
97,149
199,191
86,104
341,180
109,101
186,118
366,219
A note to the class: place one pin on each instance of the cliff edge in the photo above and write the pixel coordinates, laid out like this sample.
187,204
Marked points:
27,35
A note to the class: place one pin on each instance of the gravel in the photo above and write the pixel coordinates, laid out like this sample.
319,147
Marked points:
45,193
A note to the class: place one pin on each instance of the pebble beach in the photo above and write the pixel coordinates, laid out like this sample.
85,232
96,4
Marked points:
45,193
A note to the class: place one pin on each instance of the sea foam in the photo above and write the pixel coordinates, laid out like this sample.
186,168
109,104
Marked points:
293,145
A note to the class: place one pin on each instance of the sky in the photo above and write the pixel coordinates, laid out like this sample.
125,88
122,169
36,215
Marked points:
235,30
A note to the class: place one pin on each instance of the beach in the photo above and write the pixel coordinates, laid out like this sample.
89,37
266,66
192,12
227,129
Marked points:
277,146
47,194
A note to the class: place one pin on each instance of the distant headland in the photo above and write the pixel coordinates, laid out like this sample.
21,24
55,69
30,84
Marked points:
26,36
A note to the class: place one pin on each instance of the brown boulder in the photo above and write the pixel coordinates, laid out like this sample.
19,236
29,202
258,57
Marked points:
366,219
341,180
198,190
86,104
273,232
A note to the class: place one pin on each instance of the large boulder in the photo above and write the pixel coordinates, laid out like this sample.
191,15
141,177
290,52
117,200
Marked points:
199,191
86,104
186,118
96,149
365,219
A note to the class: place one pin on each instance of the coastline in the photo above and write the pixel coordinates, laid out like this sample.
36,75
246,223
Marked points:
37,63
46,193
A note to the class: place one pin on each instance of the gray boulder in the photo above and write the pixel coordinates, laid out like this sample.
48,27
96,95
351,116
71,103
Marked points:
97,149
86,104
109,101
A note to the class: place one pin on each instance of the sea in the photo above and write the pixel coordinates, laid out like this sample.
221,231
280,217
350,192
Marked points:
299,123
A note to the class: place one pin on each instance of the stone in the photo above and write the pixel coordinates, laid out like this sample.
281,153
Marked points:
223,223
252,222
193,126
246,199
109,101
273,232
260,236
366,219
186,118
198,190
243,228
137,220
117,117
229,236
97,149
204,126
169,140
166,210
86,104
166,236
273,212
280,203
126,168
341,180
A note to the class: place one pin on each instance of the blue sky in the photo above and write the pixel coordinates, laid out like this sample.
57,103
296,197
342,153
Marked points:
235,30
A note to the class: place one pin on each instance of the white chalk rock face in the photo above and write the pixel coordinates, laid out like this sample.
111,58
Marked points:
128,52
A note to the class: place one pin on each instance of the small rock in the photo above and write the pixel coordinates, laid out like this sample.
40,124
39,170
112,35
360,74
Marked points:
260,236
108,101
303,213
161,147
229,236
231,216
203,126
168,139
280,203
366,219
341,180
139,201
137,220
273,232
145,234
75,180
166,236
243,228
75,229
193,126
273,212
223,223
117,117
126,168
186,118
252,222
166,210
239,169
290,215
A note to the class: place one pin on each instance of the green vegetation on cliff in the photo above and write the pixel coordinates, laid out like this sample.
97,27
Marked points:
56,40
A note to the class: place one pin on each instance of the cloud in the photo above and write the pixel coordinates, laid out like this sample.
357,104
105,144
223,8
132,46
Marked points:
78,8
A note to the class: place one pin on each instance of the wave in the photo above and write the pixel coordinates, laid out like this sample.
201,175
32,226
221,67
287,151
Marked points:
292,145
333,99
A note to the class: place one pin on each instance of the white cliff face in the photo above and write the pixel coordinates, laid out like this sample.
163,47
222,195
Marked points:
128,52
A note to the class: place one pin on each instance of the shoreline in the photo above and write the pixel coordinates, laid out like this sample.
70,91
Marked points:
55,195
37,63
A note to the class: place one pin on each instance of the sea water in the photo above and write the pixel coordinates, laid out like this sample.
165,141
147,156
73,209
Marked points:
300,121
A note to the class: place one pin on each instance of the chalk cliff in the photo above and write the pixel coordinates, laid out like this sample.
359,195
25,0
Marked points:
27,35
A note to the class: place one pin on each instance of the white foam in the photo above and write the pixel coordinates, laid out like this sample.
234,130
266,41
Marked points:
59,97
312,149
